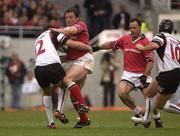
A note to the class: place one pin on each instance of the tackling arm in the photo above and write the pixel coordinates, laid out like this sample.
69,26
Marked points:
150,46
78,45
71,30
63,39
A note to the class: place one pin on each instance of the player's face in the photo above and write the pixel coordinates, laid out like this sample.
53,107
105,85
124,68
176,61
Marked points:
70,18
135,29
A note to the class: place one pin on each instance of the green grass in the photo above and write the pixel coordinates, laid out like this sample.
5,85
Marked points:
104,123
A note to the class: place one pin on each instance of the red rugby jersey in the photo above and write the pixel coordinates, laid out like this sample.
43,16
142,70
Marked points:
134,60
81,36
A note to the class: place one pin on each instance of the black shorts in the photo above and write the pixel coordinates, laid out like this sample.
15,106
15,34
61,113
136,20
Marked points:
46,75
168,81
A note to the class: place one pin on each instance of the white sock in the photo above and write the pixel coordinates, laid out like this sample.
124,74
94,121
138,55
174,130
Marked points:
47,101
172,108
149,108
137,110
61,99
157,116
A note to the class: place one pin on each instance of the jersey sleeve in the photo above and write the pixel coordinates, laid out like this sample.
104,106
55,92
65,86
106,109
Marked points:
80,26
118,44
159,39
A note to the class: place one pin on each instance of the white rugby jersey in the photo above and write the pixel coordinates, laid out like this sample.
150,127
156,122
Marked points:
168,54
45,50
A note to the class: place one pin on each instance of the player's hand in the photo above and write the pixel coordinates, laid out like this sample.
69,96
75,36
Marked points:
143,79
139,47
96,48
91,51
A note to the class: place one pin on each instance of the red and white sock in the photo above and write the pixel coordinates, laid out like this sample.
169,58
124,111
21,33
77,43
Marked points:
83,116
76,92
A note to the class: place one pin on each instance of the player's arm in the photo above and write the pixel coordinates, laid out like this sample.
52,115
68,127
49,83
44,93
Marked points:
63,39
147,72
151,46
149,58
105,46
70,30
78,45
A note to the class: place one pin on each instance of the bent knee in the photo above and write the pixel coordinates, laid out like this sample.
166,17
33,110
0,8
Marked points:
67,80
123,94
160,107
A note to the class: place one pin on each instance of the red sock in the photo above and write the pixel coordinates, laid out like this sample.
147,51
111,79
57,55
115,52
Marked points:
76,93
83,116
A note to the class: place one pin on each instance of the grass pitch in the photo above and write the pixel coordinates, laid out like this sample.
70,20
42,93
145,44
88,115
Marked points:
103,123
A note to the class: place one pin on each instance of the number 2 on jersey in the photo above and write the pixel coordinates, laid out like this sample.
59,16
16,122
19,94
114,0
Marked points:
175,53
39,48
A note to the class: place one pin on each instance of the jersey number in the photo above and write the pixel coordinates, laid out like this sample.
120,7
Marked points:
175,53
39,48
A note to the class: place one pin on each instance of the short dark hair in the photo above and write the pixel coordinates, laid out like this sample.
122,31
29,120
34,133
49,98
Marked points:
139,22
74,10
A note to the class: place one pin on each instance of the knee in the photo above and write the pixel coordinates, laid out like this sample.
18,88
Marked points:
147,94
164,107
67,80
160,107
122,94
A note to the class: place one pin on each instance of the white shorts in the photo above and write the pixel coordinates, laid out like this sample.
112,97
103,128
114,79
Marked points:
86,61
133,78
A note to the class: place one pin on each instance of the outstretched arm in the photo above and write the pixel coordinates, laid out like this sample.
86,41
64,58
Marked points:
63,39
71,30
150,46
105,46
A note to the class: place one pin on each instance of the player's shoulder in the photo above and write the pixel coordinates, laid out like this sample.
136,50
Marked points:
144,37
81,22
161,35
122,38
126,37
43,34
144,40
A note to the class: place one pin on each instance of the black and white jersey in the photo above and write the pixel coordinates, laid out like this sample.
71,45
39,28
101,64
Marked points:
168,53
46,48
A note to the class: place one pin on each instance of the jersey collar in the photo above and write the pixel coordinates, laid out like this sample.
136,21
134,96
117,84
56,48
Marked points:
142,36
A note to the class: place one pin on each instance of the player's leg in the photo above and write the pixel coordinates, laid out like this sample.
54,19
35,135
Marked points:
124,89
44,81
47,101
61,92
73,72
54,75
156,114
150,93
82,66
162,103
84,120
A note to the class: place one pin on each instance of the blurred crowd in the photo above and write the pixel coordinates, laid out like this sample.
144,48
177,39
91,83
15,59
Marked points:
30,13
99,16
